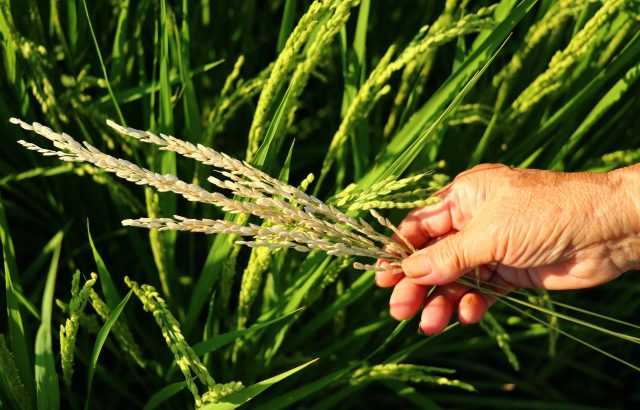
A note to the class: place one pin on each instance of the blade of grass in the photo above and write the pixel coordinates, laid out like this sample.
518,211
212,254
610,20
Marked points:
100,339
47,389
132,94
405,158
600,109
216,342
357,289
164,394
569,335
106,282
37,172
266,153
17,335
239,398
560,315
292,396
288,16
405,145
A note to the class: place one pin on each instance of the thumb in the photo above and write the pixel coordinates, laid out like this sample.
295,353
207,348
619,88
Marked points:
448,259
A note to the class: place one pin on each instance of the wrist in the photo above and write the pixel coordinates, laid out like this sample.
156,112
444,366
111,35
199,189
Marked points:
627,185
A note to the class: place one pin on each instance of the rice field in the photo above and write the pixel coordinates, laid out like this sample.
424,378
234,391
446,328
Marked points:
267,149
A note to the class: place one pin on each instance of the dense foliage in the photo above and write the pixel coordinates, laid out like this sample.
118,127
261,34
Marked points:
354,92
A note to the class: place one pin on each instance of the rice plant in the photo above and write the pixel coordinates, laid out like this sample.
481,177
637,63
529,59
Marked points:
253,284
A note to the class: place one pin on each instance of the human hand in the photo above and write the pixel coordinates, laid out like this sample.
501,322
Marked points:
522,228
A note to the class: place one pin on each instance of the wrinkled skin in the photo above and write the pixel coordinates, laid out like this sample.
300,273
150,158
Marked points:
522,229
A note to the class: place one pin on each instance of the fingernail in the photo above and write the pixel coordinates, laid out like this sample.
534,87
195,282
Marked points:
416,266
422,332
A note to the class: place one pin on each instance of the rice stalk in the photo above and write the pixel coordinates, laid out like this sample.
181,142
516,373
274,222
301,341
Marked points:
229,268
316,49
68,332
538,307
566,334
495,330
300,221
406,373
282,68
559,67
329,275
187,360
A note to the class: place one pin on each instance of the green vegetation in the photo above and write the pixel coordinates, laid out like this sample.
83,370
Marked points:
364,104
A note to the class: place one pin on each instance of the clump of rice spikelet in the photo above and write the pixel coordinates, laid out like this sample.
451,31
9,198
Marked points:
297,220
329,276
416,71
87,321
471,113
68,332
235,92
389,193
553,21
559,66
229,268
219,391
251,280
407,373
282,68
120,330
37,65
618,41
495,330
617,159
157,242
376,84
11,377
324,36
189,363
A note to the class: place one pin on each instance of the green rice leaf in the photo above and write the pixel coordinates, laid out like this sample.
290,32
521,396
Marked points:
17,335
99,343
46,377
412,137
237,399
106,282
288,16
216,342
164,394
293,396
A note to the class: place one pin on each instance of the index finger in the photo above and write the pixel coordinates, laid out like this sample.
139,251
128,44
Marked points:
426,223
